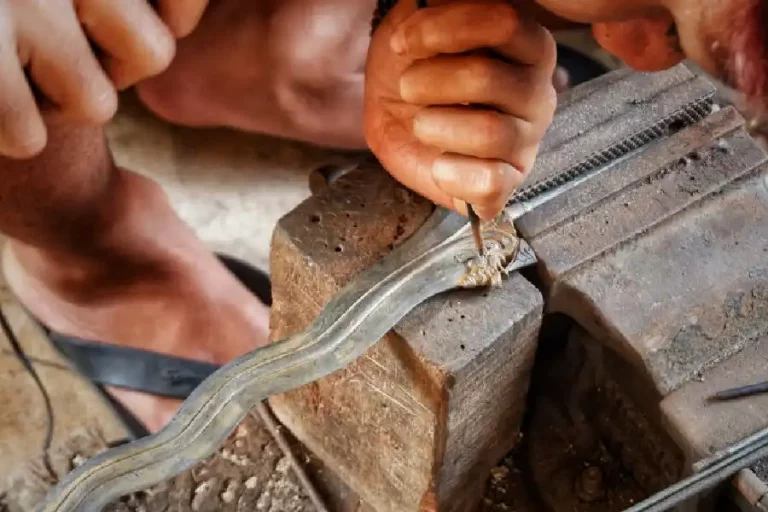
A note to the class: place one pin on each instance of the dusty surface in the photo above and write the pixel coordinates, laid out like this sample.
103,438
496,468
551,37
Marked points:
248,474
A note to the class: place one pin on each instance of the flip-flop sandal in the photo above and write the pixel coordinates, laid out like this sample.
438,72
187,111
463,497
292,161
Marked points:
149,372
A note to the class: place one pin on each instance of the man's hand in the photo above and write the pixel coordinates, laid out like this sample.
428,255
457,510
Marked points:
458,96
77,54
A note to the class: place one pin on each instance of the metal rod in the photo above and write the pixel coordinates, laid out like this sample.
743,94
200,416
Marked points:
477,231
740,392
714,471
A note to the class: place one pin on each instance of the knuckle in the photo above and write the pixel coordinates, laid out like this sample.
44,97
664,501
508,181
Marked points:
93,99
525,160
29,147
539,93
548,48
492,132
20,139
492,187
505,20
160,53
23,147
548,100
100,108
428,34
481,75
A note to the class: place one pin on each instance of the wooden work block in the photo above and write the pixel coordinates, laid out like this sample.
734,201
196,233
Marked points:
422,416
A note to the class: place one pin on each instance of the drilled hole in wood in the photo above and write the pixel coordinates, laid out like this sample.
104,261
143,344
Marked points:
462,347
322,177
339,248
315,219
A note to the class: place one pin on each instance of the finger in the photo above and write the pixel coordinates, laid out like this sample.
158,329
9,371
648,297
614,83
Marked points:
485,184
137,43
459,28
181,16
475,79
480,133
64,68
22,131
408,161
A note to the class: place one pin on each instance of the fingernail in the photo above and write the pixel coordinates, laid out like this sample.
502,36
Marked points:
397,42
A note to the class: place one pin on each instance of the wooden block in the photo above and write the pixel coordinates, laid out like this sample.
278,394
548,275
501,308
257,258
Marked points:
425,414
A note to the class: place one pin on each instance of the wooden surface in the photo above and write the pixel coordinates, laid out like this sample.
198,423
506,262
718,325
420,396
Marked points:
426,413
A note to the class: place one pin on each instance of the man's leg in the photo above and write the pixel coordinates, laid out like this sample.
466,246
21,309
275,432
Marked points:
96,252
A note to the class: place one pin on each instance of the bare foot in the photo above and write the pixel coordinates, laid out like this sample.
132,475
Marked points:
151,285
245,68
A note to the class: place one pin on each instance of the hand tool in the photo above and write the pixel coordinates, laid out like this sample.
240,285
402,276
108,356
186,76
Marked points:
439,257
740,392
477,230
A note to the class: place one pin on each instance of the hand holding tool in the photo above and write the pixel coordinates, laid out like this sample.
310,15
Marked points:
474,220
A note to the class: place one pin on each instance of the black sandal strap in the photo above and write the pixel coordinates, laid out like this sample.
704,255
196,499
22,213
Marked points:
151,372
130,368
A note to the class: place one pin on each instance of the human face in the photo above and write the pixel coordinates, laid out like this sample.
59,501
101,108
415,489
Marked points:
727,38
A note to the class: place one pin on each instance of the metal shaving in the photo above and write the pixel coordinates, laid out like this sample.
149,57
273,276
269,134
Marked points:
501,247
